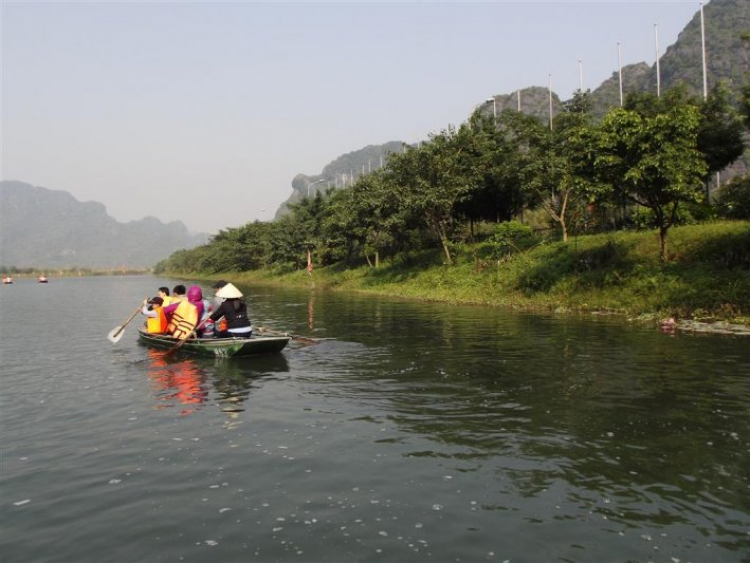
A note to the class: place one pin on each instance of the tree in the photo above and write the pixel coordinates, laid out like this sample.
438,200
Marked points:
436,177
653,160
498,195
720,134
549,161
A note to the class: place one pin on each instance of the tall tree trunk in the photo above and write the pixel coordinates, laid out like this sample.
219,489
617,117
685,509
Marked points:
663,242
444,241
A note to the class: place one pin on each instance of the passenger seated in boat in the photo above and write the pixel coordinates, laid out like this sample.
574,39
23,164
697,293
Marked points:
234,310
164,294
182,315
222,324
156,320
178,294
195,296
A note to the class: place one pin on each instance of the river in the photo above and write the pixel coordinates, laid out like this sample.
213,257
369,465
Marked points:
408,432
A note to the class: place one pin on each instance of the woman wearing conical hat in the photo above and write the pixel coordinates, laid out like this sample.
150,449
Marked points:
234,311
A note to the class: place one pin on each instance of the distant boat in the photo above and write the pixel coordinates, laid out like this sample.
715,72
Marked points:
42,279
7,280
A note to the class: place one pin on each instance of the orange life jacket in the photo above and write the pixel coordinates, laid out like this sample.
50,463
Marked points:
157,324
184,319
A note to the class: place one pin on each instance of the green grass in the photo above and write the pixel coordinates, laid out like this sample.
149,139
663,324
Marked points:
707,276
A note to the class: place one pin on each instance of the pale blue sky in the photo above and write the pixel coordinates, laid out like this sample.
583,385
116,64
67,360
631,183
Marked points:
203,112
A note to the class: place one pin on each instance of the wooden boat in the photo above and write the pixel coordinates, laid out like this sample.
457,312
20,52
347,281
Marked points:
221,347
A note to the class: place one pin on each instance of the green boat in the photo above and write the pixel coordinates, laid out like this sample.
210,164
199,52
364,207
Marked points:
221,347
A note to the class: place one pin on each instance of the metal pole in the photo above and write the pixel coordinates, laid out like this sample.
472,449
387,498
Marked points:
519,101
703,53
658,70
619,65
550,102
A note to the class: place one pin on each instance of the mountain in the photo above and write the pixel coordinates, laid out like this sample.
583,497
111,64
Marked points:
727,56
45,228
340,172
728,59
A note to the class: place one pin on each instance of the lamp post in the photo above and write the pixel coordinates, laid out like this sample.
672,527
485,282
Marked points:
619,66
658,70
310,185
494,106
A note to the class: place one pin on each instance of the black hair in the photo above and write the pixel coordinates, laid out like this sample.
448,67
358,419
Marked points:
179,290
164,290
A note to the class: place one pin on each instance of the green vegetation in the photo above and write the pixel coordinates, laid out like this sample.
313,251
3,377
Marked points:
708,276
513,211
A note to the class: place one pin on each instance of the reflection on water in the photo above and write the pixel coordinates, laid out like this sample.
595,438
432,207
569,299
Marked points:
187,382
177,382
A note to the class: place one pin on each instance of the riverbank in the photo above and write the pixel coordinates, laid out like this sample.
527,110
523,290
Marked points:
707,278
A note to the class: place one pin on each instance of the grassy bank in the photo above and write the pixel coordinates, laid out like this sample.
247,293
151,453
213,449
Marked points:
706,278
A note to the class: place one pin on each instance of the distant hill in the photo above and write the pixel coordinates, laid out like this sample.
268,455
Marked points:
340,173
50,228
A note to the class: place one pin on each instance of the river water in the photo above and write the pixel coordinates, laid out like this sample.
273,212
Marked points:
409,432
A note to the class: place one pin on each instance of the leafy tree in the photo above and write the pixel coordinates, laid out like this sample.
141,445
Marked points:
435,178
498,195
652,159
720,134
550,161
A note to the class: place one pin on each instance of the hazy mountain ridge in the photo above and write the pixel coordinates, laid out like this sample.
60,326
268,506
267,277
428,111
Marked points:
340,172
50,228
728,59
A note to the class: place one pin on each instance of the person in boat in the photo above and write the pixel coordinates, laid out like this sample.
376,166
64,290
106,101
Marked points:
163,292
211,329
178,294
234,310
156,320
195,296
182,315
217,286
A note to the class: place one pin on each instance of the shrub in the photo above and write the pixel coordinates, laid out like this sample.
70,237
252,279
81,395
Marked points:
733,199
509,237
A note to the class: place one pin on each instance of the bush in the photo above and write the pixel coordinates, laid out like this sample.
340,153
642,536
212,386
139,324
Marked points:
687,214
509,237
733,199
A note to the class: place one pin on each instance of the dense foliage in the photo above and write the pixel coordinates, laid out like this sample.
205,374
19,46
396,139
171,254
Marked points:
653,154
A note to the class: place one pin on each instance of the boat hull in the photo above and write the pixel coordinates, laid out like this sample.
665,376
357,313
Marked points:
219,347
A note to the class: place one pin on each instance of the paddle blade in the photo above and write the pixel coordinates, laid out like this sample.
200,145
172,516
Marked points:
115,334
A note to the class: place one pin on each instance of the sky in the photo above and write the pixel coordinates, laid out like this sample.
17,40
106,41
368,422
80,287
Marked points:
203,112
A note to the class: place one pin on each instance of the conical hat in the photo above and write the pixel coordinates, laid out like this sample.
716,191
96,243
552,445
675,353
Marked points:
229,292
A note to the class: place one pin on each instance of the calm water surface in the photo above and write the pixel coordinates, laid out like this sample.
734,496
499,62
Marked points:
411,432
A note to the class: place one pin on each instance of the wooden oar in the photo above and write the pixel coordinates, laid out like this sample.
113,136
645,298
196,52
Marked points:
177,346
297,337
116,333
